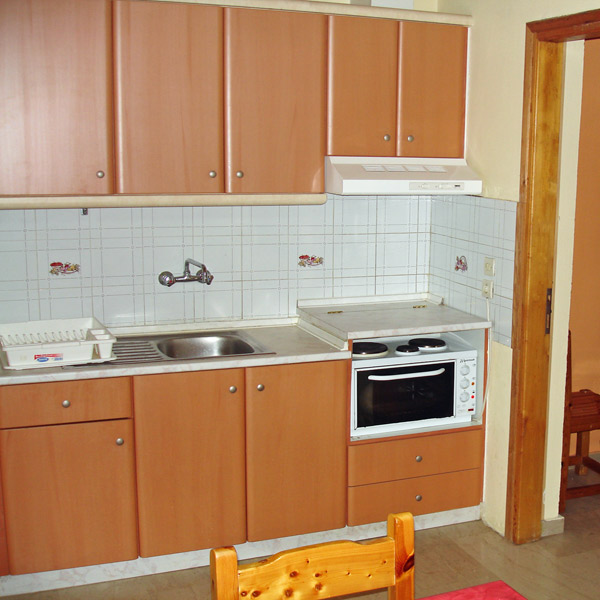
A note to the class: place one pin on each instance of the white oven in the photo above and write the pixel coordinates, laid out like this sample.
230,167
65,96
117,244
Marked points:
411,383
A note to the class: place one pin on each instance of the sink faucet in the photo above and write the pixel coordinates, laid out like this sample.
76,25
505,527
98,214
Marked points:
202,276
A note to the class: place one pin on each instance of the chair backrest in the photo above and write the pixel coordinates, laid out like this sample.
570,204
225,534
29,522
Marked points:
322,570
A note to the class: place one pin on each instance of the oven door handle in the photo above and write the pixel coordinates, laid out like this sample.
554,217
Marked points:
405,375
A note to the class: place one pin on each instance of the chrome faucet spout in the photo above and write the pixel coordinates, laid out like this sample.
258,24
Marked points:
202,276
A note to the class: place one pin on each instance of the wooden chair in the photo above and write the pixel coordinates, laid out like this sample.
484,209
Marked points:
582,415
325,570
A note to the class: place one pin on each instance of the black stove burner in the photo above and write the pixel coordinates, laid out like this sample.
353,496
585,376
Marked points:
407,349
428,344
368,349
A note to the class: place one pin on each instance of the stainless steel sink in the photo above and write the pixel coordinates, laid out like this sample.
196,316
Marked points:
186,346
204,346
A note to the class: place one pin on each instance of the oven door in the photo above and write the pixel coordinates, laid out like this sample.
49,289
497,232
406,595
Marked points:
396,398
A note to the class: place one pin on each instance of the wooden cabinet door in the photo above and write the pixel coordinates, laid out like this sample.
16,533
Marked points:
275,96
362,86
189,431
69,495
3,547
433,70
55,94
169,97
296,448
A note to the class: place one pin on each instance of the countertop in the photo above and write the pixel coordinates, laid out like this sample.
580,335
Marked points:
351,321
321,332
289,344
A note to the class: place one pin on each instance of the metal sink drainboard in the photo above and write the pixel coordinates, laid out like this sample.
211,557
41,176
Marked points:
190,346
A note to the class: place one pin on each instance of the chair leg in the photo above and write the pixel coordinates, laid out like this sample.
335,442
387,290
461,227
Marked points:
583,450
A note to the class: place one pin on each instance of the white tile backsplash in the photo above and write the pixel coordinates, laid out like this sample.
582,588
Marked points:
369,246
481,227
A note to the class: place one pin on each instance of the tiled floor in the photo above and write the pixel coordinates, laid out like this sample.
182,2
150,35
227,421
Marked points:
559,567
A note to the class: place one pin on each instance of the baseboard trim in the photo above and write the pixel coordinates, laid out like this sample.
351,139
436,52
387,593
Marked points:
553,526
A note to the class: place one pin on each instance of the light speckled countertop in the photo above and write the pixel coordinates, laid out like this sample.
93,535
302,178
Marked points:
289,344
321,333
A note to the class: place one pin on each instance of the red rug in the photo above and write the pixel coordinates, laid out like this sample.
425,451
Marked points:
497,590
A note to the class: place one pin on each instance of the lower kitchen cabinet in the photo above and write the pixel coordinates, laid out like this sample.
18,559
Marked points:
69,495
423,474
419,496
189,431
3,547
296,448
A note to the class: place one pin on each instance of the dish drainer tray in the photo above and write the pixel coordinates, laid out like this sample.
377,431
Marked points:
55,342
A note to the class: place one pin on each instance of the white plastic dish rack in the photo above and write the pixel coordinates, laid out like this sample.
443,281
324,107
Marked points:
54,343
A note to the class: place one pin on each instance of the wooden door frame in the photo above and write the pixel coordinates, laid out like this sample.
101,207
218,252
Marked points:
534,264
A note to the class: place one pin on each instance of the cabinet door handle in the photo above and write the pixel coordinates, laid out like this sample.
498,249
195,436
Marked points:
212,174
239,174
120,441
418,458
410,138
66,403
387,137
233,389
260,387
418,497
99,174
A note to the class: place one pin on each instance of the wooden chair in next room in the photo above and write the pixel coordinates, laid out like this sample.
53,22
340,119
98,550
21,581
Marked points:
322,570
582,415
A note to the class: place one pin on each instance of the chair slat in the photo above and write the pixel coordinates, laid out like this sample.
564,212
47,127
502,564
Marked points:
332,569
323,570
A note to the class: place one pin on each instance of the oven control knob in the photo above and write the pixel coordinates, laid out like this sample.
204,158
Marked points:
464,396
465,370
464,383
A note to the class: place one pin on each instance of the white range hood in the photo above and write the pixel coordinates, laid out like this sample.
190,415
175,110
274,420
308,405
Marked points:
390,176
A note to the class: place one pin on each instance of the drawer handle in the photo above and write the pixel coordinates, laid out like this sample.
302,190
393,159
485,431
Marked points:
120,441
418,458
418,497
260,387
66,404
233,389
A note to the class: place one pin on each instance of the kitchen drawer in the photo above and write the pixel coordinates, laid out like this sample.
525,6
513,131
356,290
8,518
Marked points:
33,404
414,457
372,503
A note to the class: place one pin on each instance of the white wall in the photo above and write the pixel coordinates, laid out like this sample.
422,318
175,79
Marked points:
494,118
497,52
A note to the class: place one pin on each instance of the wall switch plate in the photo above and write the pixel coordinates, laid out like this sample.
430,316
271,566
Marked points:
489,266
487,288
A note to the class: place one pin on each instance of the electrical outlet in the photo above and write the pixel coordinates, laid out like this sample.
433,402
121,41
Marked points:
489,266
487,288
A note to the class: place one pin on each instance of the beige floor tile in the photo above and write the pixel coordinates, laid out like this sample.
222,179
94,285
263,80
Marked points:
560,567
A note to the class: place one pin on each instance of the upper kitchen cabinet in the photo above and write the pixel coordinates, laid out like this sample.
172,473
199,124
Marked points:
362,86
275,99
396,88
168,98
432,82
55,93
